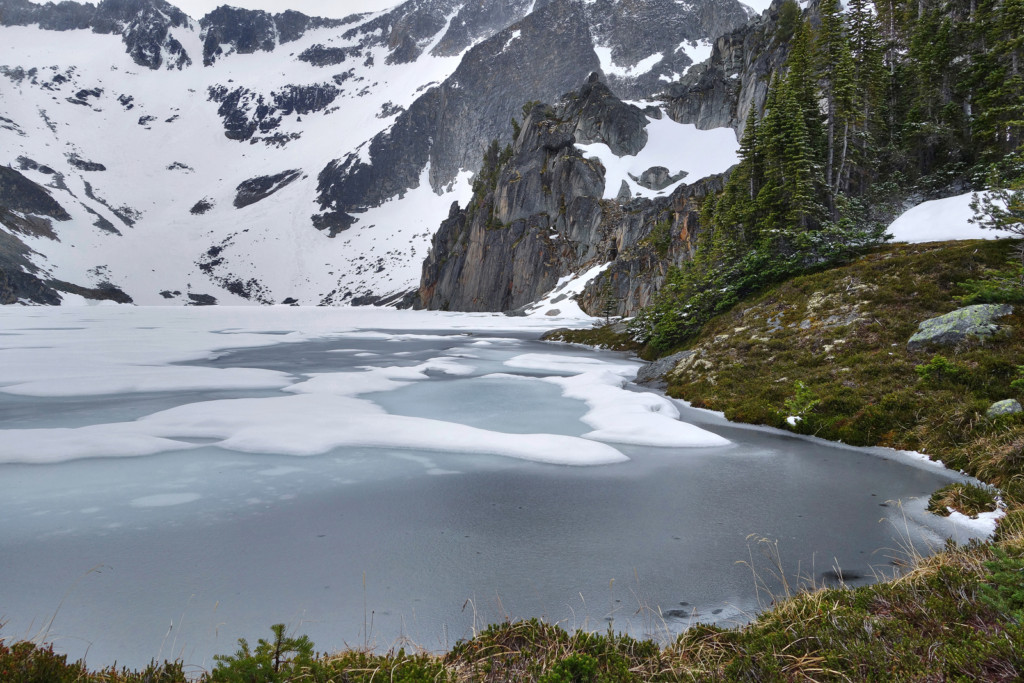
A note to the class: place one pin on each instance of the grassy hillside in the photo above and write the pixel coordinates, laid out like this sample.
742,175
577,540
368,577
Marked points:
831,349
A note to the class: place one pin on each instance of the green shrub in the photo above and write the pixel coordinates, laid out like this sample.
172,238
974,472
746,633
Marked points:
939,370
967,499
271,662
1004,591
803,400
576,668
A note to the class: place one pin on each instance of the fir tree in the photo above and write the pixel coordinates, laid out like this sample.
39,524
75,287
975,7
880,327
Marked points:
836,72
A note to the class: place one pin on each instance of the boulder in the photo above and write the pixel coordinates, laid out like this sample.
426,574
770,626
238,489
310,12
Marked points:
952,328
1010,406
654,373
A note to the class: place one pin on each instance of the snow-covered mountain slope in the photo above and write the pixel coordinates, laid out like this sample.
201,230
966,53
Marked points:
194,162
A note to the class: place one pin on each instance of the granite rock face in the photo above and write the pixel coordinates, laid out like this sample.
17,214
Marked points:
977,322
655,30
602,117
544,218
734,81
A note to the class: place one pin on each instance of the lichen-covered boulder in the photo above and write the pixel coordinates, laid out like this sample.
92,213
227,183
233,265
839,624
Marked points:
953,328
1010,406
654,373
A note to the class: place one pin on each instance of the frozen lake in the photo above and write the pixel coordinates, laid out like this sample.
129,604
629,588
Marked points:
173,479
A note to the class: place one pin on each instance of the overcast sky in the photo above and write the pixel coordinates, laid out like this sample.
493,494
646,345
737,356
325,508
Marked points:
324,8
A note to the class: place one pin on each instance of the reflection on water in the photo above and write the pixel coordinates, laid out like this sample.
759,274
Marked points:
179,554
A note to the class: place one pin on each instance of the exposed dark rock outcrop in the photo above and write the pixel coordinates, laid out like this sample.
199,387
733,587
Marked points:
657,178
257,189
18,193
84,164
724,90
537,215
19,279
201,300
246,31
104,291
201,207
252,116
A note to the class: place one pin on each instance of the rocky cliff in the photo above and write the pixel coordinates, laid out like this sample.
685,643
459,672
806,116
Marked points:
546,214
538,214
734,81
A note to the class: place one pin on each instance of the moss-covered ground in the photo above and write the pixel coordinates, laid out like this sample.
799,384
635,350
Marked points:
830,349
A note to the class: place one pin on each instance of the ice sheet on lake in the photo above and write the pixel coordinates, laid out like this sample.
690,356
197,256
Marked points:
300,425
373,379
617,414
115,350
100,379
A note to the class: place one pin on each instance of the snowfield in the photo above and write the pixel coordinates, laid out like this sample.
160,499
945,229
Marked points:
675,146
939,220
164,150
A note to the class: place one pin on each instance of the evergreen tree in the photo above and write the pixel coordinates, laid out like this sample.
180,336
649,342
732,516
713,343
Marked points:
999,77
869,78
836,73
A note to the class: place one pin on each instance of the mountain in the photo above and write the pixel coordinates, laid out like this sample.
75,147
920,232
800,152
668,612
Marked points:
268,158
600,198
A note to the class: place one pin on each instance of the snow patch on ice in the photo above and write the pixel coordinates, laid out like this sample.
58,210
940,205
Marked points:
617,414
